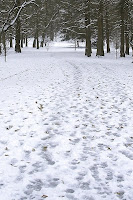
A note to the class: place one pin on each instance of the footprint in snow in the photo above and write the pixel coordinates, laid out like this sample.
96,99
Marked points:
35,185
22,169
127,154
85,185
109,176
71,197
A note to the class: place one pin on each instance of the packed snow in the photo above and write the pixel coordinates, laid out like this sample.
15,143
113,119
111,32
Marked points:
66,125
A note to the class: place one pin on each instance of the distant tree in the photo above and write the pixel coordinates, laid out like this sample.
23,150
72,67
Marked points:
98,22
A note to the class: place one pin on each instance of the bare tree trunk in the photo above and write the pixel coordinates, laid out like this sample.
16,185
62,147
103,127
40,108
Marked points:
100,50
18,24
122,53
11,44
127,40
26,41
34,42
0,44
107,33
131,41
4,45
51,32
22,40
88,29
37,43
37,31
17,46
42,42
127,43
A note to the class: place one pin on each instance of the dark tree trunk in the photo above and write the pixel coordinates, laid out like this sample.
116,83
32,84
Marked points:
88,29
0,44
26,41
34,43
127,40
51,32
100,49
22,40
42,42
11,44
4,44
17,46
37,31
131,41
18,25
122,53
127,43
37,42
107,33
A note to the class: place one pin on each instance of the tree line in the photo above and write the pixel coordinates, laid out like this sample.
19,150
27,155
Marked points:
98,22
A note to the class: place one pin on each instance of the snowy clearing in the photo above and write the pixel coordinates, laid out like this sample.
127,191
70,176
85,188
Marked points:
66,126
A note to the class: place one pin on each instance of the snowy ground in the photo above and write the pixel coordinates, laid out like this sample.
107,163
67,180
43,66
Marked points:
66,126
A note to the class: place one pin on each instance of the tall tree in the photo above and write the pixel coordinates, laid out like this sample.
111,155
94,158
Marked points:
18,29
107,26
100,48
122,3
88,28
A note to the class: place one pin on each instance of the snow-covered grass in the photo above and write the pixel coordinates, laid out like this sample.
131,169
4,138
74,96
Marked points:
66,126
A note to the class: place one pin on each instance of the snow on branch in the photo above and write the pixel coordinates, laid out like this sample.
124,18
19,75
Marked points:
52,18
68,29
9,23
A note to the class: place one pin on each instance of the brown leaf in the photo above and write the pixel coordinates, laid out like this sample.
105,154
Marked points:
44,196
45,148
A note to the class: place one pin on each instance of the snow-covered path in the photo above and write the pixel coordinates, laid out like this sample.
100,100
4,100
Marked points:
66,127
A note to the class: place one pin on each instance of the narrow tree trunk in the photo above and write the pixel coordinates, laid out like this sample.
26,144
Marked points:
127,40
51,32
122,54
107,33
0,44
11,44
100,49
4,45
88,30
132,36
37,39
26,41
42,42
37,31
34,43
37,43
22,40
116,43
127,43
17,46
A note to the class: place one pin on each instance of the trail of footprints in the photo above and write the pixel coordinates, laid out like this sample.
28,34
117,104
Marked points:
72,116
